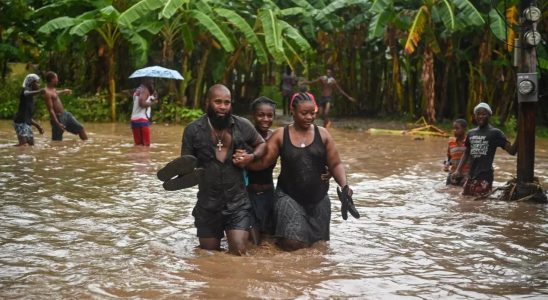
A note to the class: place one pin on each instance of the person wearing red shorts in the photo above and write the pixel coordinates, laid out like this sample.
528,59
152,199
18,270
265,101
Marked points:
143,98
481,144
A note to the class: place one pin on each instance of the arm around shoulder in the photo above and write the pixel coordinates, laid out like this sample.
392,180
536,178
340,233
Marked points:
271,153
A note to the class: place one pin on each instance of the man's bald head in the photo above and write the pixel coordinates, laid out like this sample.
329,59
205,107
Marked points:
216,90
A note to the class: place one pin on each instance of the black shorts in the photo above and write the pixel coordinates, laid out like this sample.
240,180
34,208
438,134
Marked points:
70,123
212,224
324,100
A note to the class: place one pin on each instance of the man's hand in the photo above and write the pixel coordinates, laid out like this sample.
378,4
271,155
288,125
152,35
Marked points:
61,126
40,129
327,175
241,158
66,91
456,175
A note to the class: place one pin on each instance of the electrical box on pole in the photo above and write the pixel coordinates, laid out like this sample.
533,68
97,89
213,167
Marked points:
527,87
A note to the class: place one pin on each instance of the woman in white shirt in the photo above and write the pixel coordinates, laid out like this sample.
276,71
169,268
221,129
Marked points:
143,98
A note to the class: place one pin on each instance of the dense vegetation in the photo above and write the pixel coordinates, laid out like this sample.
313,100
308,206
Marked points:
398,58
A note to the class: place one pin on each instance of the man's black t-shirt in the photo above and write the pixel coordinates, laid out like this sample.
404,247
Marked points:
483,143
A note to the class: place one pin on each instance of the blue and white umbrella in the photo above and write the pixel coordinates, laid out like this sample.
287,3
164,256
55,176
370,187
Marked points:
157,72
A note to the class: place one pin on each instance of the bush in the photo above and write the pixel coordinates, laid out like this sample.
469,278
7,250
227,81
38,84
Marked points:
9,97
272,92
172,112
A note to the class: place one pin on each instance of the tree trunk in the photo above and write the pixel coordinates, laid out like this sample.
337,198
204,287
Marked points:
112,84
428,84
198,88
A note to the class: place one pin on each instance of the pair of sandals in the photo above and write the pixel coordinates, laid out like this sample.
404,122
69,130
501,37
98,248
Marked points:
180,173
347,204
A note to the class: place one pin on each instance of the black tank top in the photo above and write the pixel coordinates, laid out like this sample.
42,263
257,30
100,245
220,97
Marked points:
302,168
261,177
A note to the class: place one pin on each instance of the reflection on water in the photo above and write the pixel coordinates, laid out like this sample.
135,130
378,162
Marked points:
90,219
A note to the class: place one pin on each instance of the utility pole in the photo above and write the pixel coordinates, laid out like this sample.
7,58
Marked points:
527,84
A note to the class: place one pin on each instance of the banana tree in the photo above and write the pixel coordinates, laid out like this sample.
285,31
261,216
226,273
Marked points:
428,16
105,21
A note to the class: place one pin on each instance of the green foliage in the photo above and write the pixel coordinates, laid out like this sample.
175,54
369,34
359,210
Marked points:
272,92
9,97
88,109
173,112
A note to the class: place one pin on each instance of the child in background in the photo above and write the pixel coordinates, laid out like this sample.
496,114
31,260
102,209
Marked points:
455,150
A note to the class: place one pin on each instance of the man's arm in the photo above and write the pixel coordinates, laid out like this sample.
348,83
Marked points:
35,124
186,143
272,150
512,149
53,115
143,97
313,81
343,92
27,92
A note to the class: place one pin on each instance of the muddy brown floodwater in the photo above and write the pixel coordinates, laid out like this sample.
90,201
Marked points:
90,220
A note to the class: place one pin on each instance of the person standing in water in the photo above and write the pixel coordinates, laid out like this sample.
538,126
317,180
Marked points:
23,118
60,119
223,202
143,98
328,84
455,150
481,144
261,183
302,209
286,87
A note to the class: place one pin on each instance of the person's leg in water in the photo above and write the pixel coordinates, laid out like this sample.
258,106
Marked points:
291,245
22,141
213,244
321,111
237,240
326,121
137,136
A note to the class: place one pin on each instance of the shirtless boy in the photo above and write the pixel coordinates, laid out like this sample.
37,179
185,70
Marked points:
60,119
328,83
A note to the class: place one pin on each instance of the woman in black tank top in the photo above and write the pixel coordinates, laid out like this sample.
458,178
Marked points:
302,210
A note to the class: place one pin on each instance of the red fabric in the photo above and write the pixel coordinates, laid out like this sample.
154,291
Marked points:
309,95
476,187
141,136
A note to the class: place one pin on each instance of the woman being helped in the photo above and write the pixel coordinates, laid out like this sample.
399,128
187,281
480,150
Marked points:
143,98
302,210
261,184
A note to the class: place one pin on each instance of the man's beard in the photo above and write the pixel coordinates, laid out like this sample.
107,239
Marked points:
217,122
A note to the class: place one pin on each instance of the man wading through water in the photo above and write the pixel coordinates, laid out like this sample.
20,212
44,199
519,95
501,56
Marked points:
481,144
223,203
60,119
328,83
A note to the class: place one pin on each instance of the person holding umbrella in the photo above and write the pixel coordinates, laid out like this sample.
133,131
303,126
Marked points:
143,98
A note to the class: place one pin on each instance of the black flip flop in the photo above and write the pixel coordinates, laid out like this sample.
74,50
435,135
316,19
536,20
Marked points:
184,181
181,165
347,204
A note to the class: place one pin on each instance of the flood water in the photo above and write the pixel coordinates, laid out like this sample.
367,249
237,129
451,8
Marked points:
90,220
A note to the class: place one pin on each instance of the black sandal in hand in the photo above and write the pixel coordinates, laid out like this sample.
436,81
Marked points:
347,204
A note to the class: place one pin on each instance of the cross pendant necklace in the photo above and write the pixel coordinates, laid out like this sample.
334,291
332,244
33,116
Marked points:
219,137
